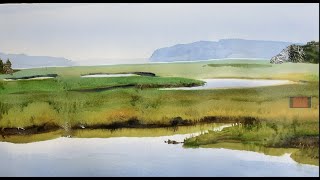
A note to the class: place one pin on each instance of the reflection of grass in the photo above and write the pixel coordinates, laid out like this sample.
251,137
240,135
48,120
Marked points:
142,132
261,136
242,65
251,147
305,156
104,133
32,138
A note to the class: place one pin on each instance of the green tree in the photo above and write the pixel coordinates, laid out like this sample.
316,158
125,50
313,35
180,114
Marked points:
7,67
9,63
292,54
1,66
311,52
295,54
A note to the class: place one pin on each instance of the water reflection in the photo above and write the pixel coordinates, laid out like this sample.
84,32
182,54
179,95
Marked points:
107,75
145,155
233,83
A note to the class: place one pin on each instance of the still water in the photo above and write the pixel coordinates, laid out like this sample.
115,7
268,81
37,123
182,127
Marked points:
107,75
232,83
140,156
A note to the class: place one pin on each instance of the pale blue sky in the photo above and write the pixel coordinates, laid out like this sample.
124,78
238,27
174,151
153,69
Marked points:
98,31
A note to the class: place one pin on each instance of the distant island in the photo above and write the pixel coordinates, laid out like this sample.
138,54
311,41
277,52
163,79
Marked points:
26,61
225,48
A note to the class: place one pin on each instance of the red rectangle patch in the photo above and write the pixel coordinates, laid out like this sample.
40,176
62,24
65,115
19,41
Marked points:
300,102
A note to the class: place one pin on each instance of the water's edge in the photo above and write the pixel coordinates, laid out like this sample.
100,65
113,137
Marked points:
141,156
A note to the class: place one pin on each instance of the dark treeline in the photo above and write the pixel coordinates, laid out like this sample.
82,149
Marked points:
5,68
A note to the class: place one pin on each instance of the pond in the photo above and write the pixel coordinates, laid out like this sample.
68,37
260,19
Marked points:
107,75
126,74
140,156
34,77
232,83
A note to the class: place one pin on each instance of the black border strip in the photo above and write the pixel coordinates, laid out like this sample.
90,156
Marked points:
157,1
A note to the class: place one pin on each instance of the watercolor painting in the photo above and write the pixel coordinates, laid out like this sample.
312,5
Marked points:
141,89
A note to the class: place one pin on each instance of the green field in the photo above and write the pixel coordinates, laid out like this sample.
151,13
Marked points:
28,102
194,70
63,84
241,65
59,102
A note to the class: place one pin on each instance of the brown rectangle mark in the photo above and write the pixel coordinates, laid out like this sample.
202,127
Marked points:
300,102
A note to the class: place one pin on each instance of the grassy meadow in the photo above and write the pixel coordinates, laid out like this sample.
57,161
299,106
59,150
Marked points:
34,102
63,84
154,106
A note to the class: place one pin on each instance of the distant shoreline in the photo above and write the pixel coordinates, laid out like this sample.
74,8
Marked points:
162,62
220,59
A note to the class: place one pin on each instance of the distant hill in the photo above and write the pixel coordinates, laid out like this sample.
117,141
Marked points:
26,61
308,53
225,48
